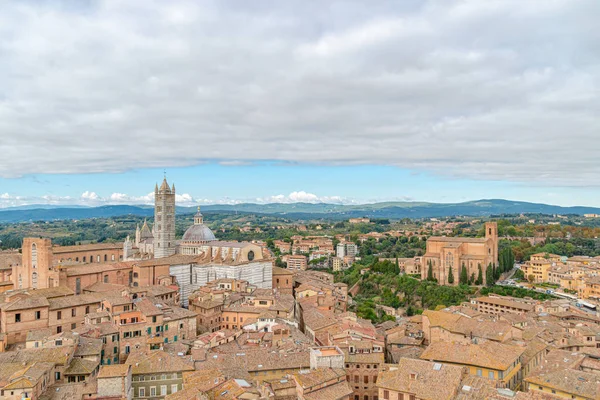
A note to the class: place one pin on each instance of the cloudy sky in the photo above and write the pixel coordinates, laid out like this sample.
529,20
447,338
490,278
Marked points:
338,101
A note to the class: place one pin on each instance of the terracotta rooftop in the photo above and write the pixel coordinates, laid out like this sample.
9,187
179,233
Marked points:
426,380
86,247
113,371
488,354
156,361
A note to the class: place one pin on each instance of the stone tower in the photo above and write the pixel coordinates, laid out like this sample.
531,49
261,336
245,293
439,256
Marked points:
164,220
36,269
491,232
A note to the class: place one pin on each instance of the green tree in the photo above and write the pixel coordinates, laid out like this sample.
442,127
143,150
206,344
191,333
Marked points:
429,271
479,280
472,278
489,275
464,275
450,276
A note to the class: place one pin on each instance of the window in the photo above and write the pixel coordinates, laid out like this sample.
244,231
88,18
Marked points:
491,374
73,312
366,397
18,317
386,395
58,342
115,349
105,277
479,372
58,329
163,390
174,388
153,391
127,349
411,397
87,309
355,378
73,326
142,392
366,380
38,315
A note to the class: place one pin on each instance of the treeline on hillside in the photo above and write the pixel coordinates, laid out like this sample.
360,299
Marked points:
383,285
523,250
390,247
520,227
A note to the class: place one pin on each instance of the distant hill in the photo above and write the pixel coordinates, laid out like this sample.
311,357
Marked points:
393,210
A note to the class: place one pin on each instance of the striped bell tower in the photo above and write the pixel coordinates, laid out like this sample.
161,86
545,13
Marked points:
164,220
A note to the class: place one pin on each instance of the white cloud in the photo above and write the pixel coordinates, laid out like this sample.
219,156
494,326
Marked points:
87,195
302,197
498,90
119,197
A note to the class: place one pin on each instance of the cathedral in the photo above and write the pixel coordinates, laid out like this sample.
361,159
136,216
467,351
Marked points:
198,239
199,257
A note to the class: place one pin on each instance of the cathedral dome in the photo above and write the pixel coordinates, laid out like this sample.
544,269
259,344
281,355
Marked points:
198,233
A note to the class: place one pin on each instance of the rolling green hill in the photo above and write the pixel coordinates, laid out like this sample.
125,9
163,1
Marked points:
392,210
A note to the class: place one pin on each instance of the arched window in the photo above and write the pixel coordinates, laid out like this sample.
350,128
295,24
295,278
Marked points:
135,275
98,258
34,281
112,258
84,259
250,255
105,257
34,256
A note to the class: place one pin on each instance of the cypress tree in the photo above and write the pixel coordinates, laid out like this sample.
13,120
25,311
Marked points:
472,278
450,276
429,271
464,275
479,280
489,275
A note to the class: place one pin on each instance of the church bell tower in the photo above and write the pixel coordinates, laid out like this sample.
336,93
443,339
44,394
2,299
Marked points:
164,220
